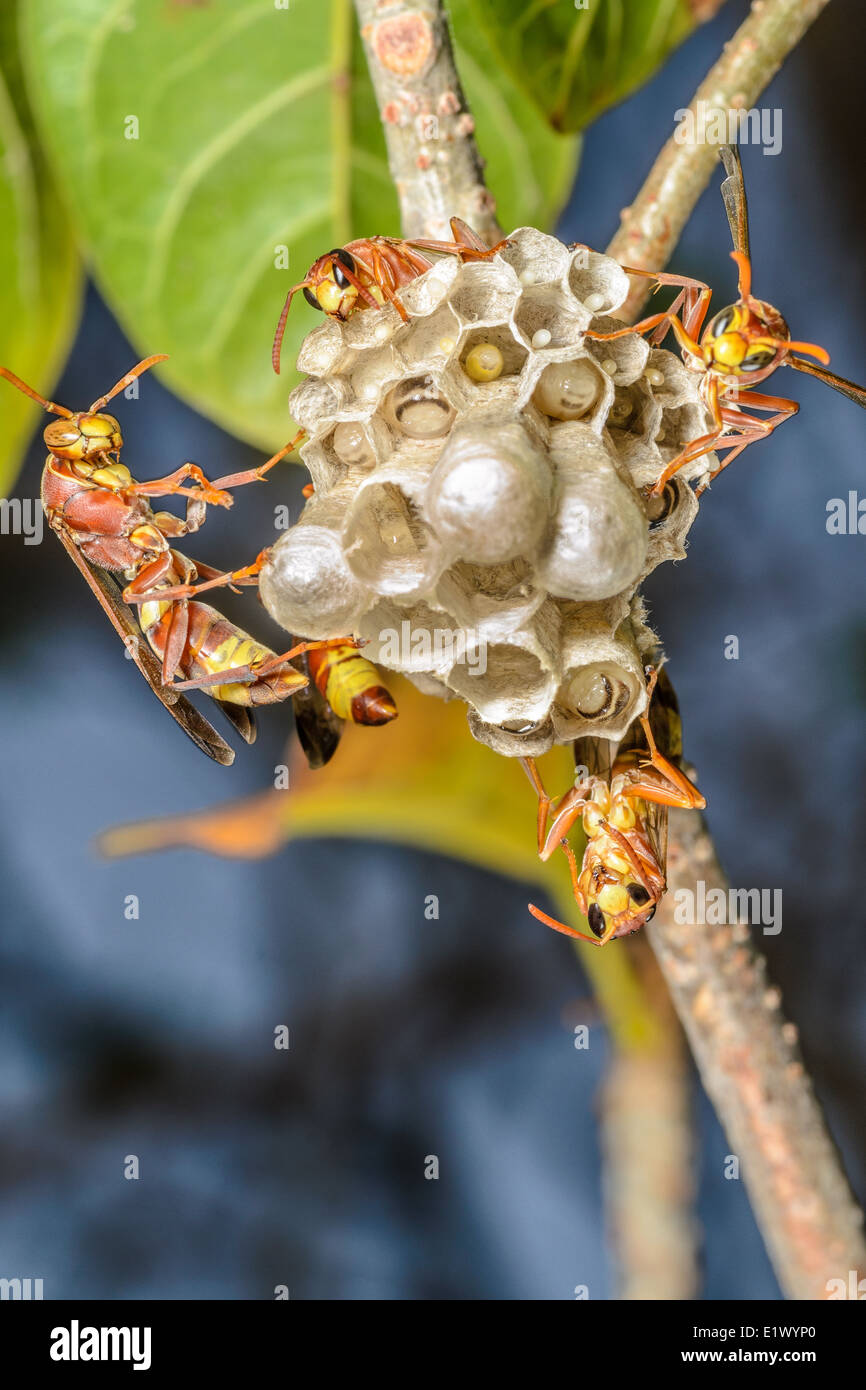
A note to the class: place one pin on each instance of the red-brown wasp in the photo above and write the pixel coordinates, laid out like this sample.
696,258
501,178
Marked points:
623,803
741,347
104,520
338,682
368,273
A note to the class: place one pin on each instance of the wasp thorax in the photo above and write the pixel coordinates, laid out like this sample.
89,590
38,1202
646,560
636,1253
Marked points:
480,472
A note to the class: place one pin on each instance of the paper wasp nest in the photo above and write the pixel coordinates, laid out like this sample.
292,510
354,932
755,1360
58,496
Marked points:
477,514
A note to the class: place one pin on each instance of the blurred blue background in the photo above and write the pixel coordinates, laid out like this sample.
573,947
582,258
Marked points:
409,1037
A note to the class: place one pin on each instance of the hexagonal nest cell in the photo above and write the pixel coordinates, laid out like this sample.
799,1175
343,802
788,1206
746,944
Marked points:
478,514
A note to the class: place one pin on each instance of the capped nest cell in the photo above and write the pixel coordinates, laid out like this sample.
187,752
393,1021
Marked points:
478,514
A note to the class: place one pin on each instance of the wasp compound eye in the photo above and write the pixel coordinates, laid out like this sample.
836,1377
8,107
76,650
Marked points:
342,258
59,435
754,361
638,894
311,298
722,322
595,918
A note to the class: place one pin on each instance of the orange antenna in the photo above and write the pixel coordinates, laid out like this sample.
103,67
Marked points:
281,326
812,348
744,266
127,380
51,406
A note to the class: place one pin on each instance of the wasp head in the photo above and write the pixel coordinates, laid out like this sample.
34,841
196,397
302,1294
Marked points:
83,436
618,898
330,288
748,339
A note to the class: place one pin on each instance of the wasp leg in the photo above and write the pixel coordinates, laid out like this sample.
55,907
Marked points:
561,814
248,574
239,674
255,475
632,858
466,244
172,484
172,527
564,813
378,269
694,294
143,588
703,445
178,631
662,782
760,429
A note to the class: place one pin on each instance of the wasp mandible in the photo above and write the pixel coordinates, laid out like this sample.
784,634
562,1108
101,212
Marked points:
742,346
367,274
105,522
624,809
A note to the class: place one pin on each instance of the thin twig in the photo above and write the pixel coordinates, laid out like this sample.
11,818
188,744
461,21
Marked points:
753,1073
429,130
651,227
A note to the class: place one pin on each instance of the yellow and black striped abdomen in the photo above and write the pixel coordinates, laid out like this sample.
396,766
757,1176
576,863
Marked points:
351,685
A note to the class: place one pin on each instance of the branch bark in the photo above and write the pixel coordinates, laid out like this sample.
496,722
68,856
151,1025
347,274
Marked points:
429,131
751,1067
651,226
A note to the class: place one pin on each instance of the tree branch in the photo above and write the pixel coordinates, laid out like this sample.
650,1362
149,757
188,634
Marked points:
753,1073
429,130
651,227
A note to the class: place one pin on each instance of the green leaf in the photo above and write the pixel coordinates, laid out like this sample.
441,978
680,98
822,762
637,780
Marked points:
574,61
40,278
194,141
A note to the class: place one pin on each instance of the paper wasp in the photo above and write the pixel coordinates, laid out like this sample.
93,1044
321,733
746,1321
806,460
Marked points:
105,522
368,273
623,802
741,347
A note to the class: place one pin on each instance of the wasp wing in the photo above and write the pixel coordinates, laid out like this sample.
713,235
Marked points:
734,198
593,757
122,619
667,730
318,728
855,393
242,719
